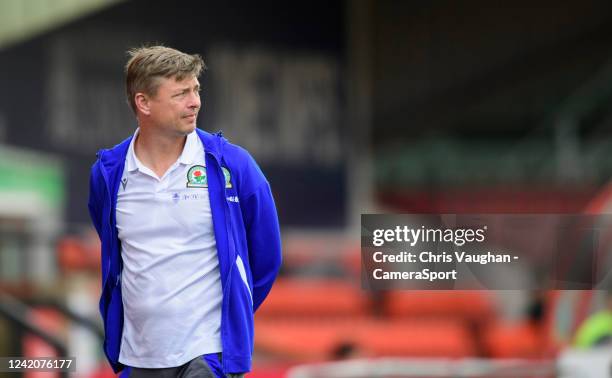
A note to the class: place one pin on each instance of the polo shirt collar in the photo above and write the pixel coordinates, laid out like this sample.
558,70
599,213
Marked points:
191,150
188,156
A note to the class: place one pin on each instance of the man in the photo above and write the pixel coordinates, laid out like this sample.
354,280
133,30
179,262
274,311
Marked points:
189,231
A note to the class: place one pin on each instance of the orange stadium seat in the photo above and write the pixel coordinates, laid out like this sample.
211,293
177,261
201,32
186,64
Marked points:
521,340
321,298
315,340
299,340
474,306
418,338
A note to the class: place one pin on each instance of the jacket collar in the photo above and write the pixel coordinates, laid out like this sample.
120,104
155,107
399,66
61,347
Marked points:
114,157
213,143
190,153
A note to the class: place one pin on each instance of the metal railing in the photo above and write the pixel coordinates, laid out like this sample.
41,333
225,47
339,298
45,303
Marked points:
427,368
15,312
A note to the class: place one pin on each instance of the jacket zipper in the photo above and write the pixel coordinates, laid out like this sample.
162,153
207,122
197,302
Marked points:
228,280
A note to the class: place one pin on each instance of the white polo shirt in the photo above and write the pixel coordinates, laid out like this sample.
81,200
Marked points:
170,283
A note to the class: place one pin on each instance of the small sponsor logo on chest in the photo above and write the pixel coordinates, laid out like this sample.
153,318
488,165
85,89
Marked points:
179,197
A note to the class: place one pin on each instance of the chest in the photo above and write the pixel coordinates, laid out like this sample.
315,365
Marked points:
178,204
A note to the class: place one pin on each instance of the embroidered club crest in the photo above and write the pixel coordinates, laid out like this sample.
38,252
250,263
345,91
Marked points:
196,177
226,174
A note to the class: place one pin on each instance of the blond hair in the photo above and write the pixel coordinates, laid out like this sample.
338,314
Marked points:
147,64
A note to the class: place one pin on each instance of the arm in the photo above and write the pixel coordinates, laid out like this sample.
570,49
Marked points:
93,204
263,238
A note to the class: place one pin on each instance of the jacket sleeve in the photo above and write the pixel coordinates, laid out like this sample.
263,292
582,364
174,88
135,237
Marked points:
94,202
263,238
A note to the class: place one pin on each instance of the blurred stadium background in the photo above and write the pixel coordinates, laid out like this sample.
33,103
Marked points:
350,107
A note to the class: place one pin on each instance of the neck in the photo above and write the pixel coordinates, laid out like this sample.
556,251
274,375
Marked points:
158,151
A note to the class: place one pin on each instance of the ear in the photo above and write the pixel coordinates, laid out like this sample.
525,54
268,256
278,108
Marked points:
142,103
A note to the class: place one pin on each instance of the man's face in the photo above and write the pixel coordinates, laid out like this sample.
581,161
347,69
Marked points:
174,108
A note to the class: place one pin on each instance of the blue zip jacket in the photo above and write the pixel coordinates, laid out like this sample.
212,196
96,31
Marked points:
246,231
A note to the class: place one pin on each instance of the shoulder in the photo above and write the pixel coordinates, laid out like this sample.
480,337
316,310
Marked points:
238,155
241,165
108,160
109,157
226,151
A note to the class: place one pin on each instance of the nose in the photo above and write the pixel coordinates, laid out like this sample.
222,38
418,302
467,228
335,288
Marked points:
194,101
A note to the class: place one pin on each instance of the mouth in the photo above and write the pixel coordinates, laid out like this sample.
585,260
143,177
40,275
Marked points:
190,116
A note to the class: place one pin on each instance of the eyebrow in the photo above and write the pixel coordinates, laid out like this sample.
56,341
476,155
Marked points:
183,89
